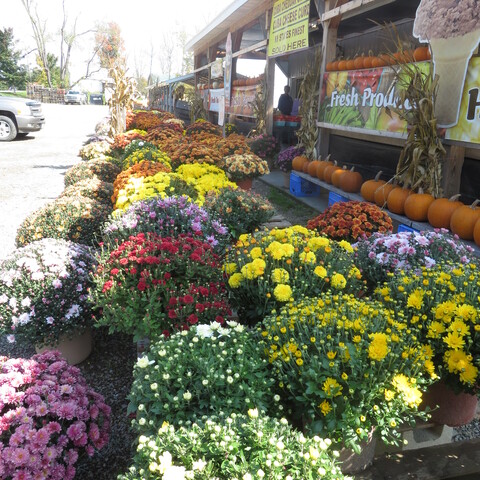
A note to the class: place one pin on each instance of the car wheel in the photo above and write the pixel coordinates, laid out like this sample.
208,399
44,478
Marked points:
8,129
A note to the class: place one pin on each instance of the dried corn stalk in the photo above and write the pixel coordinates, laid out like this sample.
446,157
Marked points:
259,106
309,90
123,91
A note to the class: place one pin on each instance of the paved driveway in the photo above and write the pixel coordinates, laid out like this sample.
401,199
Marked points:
32,169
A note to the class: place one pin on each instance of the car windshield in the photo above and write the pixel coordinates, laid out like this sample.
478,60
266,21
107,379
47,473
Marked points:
73,92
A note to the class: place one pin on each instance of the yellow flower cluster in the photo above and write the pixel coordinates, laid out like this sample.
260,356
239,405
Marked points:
442,305
270,268
144,187
205,178
350,358
146,154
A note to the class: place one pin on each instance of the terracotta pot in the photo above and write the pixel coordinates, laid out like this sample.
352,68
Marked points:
74,349
245,184
453,409
286,180
352,462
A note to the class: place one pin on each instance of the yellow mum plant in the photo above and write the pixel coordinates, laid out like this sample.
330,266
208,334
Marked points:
347,366
442,305
267,269
205,178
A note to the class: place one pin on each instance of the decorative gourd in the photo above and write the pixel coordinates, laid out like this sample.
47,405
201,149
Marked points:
351,181
464,219
322,166
312,168
328,172
367,191
396,200
476,232
416,206
381,194
441,210
297,163
337,175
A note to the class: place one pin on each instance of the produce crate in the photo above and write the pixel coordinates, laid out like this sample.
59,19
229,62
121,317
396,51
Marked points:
405,228
334,197
303,188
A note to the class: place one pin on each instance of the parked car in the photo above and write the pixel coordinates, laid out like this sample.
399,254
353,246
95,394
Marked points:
75,96
97,99
19,117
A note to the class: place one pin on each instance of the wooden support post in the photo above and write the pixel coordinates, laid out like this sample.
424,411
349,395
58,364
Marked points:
452,170
329,48
211,53
270,82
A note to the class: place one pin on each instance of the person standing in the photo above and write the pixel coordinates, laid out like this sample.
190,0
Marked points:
285,102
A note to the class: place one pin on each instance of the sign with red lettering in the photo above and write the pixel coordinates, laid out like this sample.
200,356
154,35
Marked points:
289,27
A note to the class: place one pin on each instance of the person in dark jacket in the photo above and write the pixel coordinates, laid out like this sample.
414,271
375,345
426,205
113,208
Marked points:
285,102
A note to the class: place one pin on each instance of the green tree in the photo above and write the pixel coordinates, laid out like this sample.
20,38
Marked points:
11,73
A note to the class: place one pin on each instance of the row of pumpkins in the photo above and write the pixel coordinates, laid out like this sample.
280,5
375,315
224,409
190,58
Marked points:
420,54
462,220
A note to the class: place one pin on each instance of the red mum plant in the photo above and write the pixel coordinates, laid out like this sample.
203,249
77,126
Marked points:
151,285
188,151
164,131
144,120
202,126
351,221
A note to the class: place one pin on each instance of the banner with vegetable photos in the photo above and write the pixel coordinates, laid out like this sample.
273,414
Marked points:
365,99
241,99
468,127
361,99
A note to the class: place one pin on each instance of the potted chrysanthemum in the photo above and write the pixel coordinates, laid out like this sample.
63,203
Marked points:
242,169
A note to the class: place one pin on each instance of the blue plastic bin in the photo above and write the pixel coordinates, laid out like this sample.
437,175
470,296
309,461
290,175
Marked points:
303,188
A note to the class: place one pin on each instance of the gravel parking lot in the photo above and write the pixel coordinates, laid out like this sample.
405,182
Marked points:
32,168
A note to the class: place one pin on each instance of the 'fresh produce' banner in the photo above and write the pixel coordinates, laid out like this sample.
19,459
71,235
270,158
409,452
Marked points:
289,27
364,99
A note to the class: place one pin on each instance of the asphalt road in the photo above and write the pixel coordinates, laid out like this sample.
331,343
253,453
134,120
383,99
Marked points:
32,168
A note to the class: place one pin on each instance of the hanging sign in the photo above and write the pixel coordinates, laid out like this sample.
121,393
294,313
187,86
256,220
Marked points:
228,69
215,99
289,27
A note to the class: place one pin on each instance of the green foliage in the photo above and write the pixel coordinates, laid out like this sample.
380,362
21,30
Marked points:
11,73
78,219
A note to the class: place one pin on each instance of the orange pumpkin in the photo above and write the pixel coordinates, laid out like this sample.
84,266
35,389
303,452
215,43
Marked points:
464,219
342,65
335,66
367,61
321,168
351,64
378,62
329,67
381,194
386,58
421,54
396,200
367,191
476,232
337,174
358,62
351,181
312,168
440,211
328,172
416,206
297,162
305,166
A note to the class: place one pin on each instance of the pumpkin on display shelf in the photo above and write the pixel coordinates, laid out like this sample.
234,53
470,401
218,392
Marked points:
359,62
312,168
298,161
367,61
351,181
421,54
416,206
337,175
328,172
440,211
367,191
396,200
322,166
381,194
464,219
342,65
351,64
476,232
305,166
